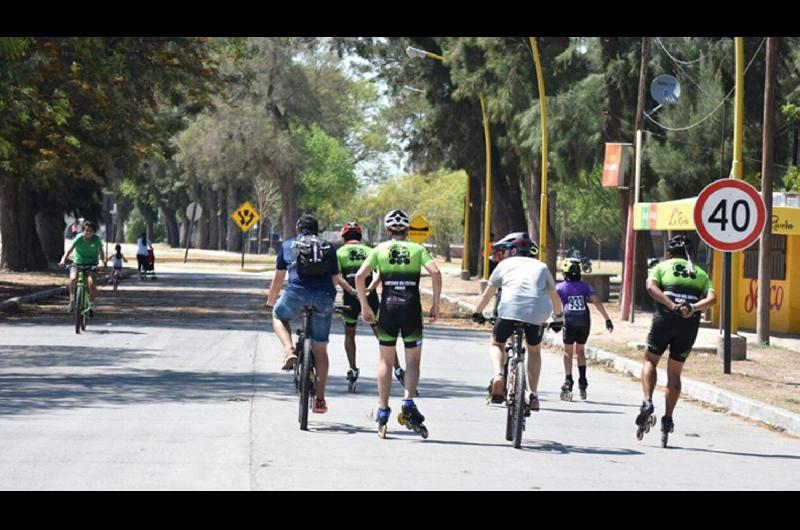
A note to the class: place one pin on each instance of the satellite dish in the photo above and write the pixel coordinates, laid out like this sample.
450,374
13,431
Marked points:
665,89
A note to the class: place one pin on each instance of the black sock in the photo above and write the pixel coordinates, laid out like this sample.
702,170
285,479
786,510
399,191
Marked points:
569,377
582,372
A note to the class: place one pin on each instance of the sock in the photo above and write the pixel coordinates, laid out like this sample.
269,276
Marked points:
569,377
582,372
408,402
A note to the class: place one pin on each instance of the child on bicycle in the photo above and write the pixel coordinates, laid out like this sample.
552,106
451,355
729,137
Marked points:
575,296
118,260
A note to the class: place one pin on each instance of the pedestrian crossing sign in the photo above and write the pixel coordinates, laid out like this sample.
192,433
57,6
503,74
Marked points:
245,216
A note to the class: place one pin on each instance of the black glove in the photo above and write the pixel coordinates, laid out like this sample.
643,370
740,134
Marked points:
609,325
478,318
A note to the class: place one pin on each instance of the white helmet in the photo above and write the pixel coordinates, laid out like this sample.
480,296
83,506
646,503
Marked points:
396,220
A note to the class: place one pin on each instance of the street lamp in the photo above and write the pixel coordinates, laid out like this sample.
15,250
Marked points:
416,53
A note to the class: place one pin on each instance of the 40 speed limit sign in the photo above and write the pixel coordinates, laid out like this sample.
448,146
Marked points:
729,215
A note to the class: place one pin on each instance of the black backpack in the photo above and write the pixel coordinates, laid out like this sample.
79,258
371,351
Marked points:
315,256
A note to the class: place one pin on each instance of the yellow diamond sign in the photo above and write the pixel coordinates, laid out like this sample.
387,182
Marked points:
419,230
245,216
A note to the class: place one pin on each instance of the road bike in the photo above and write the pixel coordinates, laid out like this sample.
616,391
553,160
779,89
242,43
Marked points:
305,375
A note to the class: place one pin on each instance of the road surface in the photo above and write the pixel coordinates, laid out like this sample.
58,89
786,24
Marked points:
176,385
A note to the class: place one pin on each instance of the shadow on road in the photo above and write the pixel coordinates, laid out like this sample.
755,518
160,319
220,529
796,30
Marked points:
546,447
758,455
39,356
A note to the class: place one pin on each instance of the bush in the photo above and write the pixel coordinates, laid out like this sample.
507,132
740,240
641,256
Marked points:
136,225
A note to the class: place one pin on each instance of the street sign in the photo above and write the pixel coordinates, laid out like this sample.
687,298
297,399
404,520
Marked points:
245,216
193,212
665,89
419,230
729,215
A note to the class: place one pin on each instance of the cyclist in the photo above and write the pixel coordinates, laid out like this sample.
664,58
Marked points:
143,245
682,291
529,296
575,296
303,289
118,260
399,263
88,250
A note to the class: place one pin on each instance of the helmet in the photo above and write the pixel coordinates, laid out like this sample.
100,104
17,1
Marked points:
519,240
681,243
396,221
571,267
351,231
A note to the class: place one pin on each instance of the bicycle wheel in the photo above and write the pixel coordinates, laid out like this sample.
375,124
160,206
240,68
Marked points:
509,409
306,374
519,404
78,308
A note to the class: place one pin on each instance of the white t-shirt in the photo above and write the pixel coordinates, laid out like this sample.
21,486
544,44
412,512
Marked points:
142,248
525,283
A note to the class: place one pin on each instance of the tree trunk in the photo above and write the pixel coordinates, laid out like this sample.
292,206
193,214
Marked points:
171,224
289,214
202,226
234,241
212,241
50,228
124,207
21,250
149,218
222,219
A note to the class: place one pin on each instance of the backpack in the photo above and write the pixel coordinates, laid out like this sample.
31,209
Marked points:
315,256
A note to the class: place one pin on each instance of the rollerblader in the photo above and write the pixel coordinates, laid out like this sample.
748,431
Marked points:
399,263
351,256
682,291
575,296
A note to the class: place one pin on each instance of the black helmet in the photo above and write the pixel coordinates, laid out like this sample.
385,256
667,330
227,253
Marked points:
519,240
679,244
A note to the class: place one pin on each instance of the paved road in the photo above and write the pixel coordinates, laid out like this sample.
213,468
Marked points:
176,386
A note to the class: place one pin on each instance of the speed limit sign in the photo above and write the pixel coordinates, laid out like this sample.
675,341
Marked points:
729,215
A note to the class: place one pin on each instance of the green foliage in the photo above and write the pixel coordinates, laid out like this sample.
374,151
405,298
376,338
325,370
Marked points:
791,180
136,227
592,210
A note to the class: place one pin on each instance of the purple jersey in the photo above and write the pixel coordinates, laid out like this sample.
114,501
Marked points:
575,298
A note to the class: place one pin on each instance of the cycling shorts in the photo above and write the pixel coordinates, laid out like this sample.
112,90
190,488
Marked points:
73,270
503,329
678,334
391,328
350,317
577,331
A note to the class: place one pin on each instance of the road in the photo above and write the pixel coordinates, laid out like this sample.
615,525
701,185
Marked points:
176,385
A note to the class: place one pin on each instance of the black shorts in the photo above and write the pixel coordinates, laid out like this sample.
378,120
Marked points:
678,334
141,262
503,329
350,316
407,324
576,332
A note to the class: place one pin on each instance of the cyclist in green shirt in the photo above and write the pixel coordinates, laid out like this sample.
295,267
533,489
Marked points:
399,263
682,291
88,248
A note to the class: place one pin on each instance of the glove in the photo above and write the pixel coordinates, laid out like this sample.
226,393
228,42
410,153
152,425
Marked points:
478,318
557,322
609,325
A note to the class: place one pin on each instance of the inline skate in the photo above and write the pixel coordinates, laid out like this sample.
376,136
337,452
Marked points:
582,385
411,418
566,389
667,426
352,377
645,419
382,417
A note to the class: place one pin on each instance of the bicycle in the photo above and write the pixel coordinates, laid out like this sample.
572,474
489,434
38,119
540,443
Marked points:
81,306
305,377
515,377
116,277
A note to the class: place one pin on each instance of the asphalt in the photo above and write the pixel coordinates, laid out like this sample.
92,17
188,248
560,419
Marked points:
176,385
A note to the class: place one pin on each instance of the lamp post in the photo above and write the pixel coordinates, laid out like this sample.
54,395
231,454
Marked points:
422,54
543,206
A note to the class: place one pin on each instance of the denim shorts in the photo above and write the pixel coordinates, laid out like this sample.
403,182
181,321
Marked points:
290,306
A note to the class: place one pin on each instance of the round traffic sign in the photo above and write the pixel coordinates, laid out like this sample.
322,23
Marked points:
194,211
729,215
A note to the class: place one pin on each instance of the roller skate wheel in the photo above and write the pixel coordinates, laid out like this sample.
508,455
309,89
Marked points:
664,440
423,431
583,395
646,427
401,419
351,386
639,434
382,431
652,420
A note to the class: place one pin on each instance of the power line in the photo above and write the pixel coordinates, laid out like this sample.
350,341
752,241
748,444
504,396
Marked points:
674,59
667,128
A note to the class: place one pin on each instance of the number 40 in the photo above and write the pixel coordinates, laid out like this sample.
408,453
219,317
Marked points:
720,215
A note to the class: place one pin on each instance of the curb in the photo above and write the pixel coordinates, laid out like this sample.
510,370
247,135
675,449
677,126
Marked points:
12,304
749,408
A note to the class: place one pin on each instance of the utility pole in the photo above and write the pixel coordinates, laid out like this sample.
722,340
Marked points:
629,278
767,174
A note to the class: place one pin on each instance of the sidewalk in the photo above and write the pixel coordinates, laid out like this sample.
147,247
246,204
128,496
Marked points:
770,375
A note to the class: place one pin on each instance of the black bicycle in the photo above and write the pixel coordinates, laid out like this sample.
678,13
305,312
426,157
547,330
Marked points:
305,375
515,377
